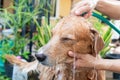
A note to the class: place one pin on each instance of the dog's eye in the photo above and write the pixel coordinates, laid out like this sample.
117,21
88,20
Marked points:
65,39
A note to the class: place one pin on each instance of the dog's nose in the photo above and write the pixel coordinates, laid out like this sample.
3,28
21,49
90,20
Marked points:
40,57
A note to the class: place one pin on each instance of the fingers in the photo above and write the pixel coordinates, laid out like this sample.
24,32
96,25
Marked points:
77,6
71,54
88,14
81,8
81,56
83,60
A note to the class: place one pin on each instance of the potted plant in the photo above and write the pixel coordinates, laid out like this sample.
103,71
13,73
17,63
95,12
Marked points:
43,34
25,15
5,47
16,21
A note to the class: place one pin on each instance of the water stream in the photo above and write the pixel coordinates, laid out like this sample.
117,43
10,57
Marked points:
74,67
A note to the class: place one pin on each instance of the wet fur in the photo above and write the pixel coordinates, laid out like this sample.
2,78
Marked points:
72,33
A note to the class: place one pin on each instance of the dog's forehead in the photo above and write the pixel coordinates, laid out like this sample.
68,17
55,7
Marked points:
71,24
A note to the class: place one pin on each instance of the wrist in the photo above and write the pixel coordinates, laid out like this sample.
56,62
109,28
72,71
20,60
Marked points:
93,3
103,64
99,64
100,4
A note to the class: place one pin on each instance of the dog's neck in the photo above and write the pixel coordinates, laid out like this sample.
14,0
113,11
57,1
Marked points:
67,72
62,72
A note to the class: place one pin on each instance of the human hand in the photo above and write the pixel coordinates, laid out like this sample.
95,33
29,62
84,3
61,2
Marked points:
84,60
85,6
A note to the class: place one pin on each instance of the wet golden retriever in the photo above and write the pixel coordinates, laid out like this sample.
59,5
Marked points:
72,33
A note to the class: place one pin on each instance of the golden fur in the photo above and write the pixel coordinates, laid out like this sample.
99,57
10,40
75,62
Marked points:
72,33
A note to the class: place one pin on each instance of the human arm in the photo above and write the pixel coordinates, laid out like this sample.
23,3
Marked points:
110,65
110,8
89,61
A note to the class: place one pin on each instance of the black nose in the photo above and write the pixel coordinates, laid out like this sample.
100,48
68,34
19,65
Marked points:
40,57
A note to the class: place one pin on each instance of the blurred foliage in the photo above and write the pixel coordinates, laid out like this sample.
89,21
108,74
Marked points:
25,13
43,34
3,77
6,46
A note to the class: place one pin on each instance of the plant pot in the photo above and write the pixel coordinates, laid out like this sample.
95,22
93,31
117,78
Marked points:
114,56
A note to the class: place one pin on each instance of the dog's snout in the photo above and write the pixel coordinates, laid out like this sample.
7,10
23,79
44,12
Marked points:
40,57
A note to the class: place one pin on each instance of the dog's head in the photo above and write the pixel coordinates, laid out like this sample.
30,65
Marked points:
72,33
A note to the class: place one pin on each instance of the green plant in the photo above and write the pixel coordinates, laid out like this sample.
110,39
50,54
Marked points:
25,13
43,34
44,30
17,21
6,46
107,39
3,77
23,16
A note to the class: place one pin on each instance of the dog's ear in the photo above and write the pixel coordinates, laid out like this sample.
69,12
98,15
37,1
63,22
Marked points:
98,43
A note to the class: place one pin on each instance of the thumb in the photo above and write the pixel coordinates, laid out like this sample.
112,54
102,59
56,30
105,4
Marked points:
72,54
